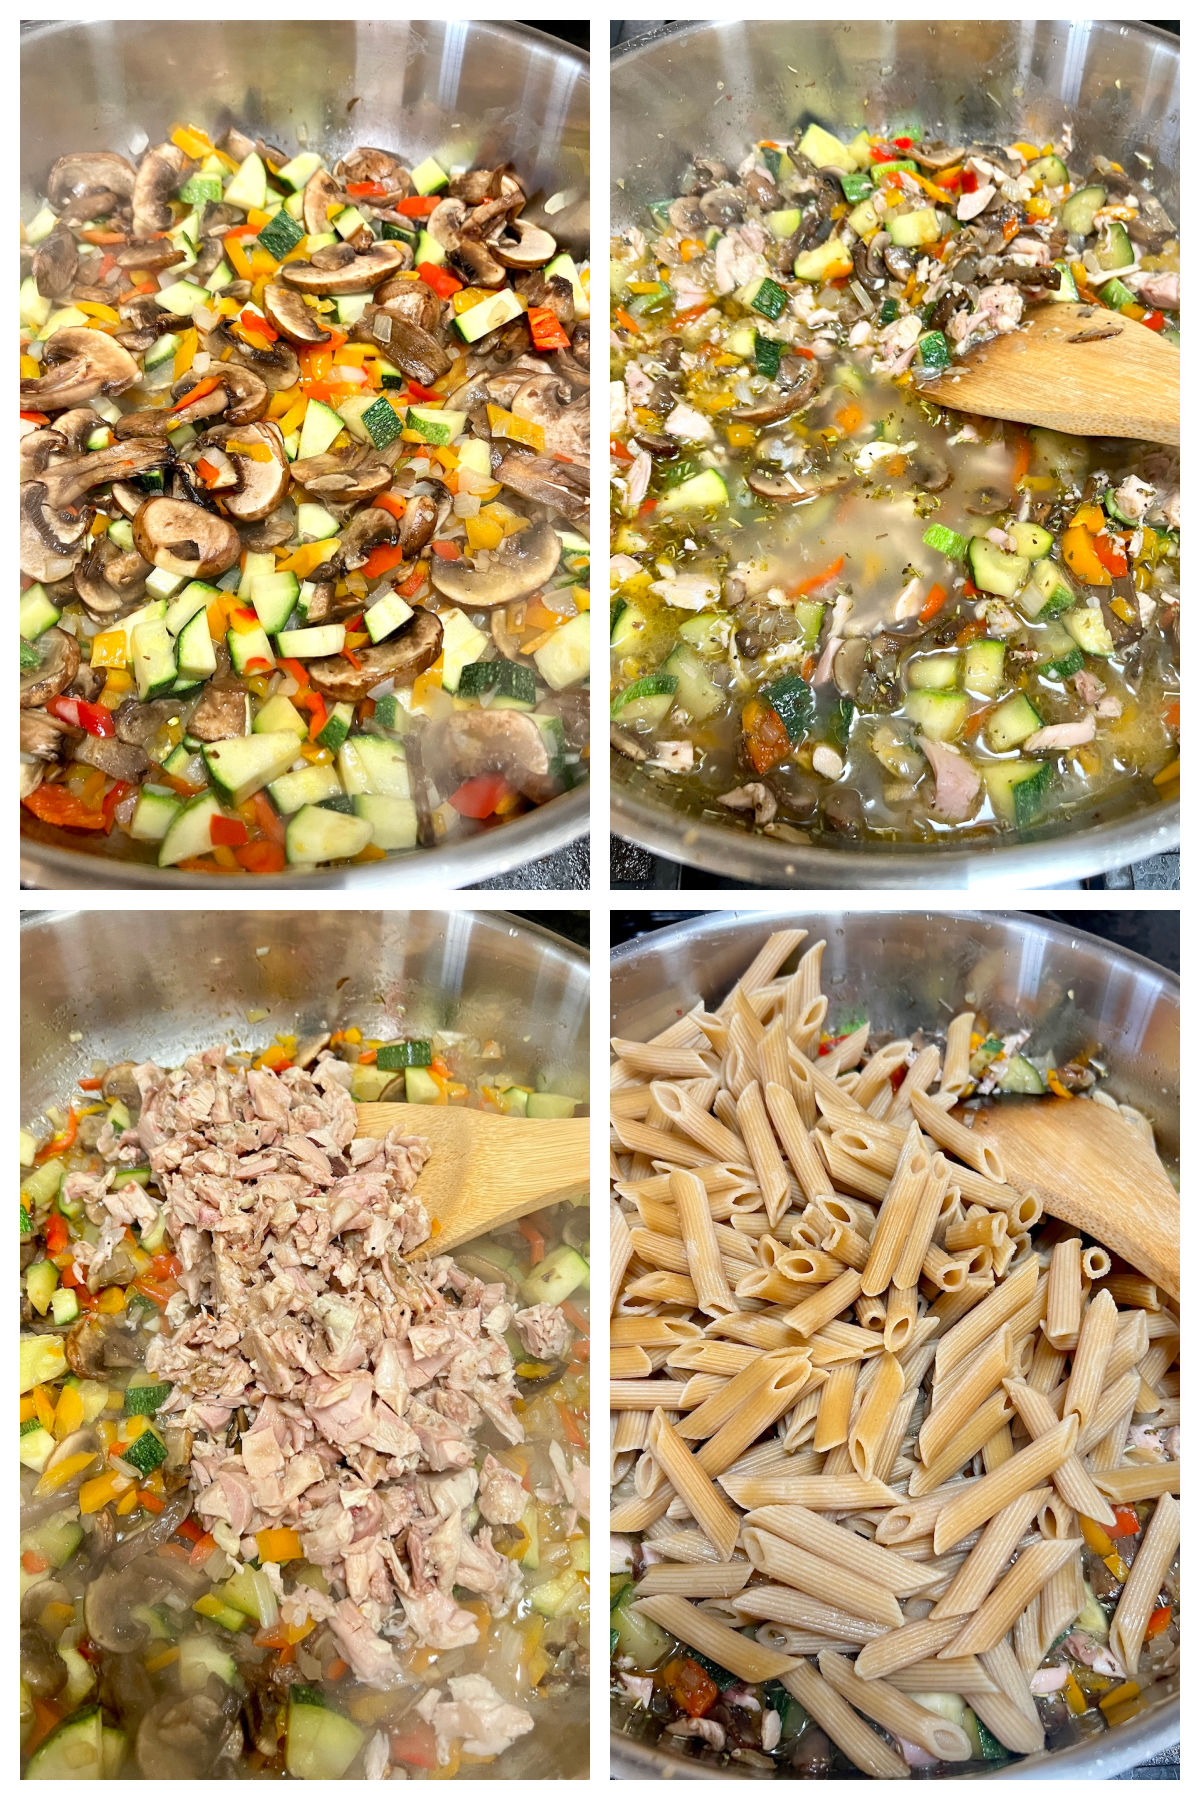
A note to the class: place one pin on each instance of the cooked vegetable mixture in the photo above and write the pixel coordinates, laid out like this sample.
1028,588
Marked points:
303,488
840,611
295,1502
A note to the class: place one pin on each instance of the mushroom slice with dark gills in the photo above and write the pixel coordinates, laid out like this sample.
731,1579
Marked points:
492,738
410,346
260,460
379,167
562,486
400,659
109,578
546,401
78,364
54,528
276,365
160,172
339,269
320,193
343,477
54,263
88,172
290,313
59,662
523,245
367,531
239,398
523,564
186,539
798,382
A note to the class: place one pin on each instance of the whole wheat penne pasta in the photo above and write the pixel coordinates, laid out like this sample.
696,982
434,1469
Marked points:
628,1362
792,1133
821,1308
702,1252
897,1213
782,1561
967,1442
698,1127
695,1581
766,1405
645,1396
847,1053
910,1519
911,1643
1096,1262
1061,1601
923,1071
875,1077
864,1747
1011,1595
990,1554
799,1611
919,1239
660,1286
956,1063
820,1493
880,1399
1090,1362
1139,1596
1070,1478
657,1251
964,1389
740,1655
897,1712
1128,1289
886,1569
1045,1366
712,1359
966,1146
661,1060
833,1412
1009,1714
963,1675
707,1505
1003,1303
979,1500
620,1249
1064,1294
767,963
1138,1481
740,1391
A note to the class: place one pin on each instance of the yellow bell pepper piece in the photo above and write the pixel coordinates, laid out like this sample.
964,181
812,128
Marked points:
102,1488
484,534
520,431
279,1545
110,650
68,1414
1080,557
112,1300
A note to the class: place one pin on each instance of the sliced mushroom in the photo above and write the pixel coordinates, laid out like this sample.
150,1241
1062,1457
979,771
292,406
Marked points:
275,365
79,363
41,736
523,564
277,528
400,658
263,482
138,722
804,379
563,417
124,762
109,578
37,449
185,539
782,488
54,263
412,348
523,246
88,172
368,164
65,482
342,477
366,531
492,738
321,192
220,713
561,486
100,1343
154,255
287,311
47,553
931,153
446,222
160,172
472,258
115,1604
182,1739
417,524
358,274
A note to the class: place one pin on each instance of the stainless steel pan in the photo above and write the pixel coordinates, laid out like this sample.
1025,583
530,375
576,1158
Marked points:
463,90
715,87
908,968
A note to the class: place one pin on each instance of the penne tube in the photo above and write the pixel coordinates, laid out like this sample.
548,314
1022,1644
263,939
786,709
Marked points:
982,1498
740,1655
1139,1596
897,1712
1009,1598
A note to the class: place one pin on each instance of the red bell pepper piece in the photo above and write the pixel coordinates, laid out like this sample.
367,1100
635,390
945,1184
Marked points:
208,386
261,858
479,796
381,559
440,280
227,831
82,715
417,206
256,323
360,188
448,551
54,804
1111,554
545,329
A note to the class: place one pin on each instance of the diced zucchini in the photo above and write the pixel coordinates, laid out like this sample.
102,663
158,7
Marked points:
420,1088
435,424
300,171
489,315
550,1106
1113,249
707,489
565,658
1061,668
321,425
248,188
983,666
313,522
278,714
336,728
564,266
1086,625
1033,541
74,1750
912,229
696,697
368,764
1011,723
1018,790
274,599
558,1275
429,177
37,612
182,298
305,787
646,701
462,643
821,264
317,835
1048,592
938,670
152,651
637,1637
1020,1077
56,1538
1080,208
709,632
240,766
36,1446
321,1744
937,713
826,151
249,649
190,832
64,1306
1050,170
996,571
201,1656
393,821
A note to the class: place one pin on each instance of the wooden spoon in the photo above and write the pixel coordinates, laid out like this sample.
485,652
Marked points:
1074,368
1092,1168
486,1169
